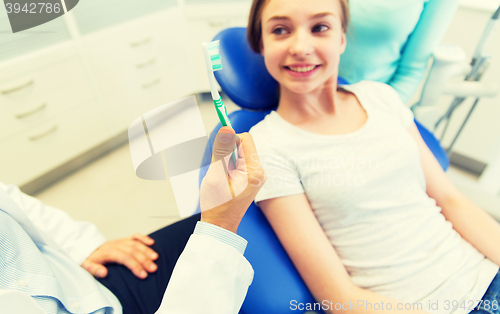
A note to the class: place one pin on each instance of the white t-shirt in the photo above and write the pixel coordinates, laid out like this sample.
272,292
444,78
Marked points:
367,189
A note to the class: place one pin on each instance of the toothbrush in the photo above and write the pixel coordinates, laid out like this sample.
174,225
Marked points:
213,63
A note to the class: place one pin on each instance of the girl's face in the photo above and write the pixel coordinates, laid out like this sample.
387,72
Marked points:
302,41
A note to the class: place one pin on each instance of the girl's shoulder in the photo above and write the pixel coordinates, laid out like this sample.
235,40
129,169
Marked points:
270,134
374,90
376,95
382,97
262,126
264,131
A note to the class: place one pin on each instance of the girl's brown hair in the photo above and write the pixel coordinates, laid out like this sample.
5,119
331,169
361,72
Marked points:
254,29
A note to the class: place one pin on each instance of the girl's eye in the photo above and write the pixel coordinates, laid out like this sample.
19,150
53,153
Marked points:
279,31
320,28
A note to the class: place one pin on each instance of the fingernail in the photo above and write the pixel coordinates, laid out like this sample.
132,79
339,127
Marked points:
154,255
143,274
225,137
100,273
152,267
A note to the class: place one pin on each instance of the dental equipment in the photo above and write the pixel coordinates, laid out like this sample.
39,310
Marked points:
449,61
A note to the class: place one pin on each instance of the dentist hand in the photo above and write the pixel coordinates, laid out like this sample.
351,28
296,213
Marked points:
227,191
133,252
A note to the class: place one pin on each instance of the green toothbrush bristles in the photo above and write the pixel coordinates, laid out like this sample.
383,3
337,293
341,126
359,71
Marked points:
213,51
216,63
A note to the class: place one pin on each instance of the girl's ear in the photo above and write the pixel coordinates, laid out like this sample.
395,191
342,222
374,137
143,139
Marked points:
343,43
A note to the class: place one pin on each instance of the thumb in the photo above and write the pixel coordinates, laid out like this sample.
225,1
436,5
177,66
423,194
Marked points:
224,143
97,270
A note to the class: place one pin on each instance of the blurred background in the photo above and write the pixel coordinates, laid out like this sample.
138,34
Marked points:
70,88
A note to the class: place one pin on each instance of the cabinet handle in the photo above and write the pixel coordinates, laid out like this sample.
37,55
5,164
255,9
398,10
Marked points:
43,134
140,42
146,63
217,23
31,112
152,83
12,89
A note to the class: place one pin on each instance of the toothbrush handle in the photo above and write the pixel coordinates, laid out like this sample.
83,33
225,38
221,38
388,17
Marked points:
222,113
234,156
224,120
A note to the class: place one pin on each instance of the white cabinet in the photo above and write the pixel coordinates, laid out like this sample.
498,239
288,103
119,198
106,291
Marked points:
47,111
146,93
40,86
96,15
139,65
62,96
43,147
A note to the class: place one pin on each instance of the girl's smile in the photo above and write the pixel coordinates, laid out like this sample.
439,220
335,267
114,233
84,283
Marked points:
302,70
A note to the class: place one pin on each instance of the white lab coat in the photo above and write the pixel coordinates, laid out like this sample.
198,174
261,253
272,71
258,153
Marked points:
209,277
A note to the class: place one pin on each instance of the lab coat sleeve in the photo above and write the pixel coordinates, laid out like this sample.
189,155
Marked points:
210,277
78,239
429,31
15,302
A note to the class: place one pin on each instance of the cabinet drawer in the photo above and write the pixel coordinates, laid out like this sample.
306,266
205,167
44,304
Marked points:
134,38
119,56
110,46
26,90
96,15
111,77
146,93
60,58
43,148
126,41
17,117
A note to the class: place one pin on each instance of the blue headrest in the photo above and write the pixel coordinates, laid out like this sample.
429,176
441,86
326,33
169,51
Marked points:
244,76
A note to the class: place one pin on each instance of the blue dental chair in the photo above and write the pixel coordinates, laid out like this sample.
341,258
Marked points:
245,80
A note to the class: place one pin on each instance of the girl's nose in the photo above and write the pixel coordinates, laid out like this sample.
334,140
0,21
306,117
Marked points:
301,44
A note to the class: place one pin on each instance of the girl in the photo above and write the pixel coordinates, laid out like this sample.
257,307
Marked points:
358,201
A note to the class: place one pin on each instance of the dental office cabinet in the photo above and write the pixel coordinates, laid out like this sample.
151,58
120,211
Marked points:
70,88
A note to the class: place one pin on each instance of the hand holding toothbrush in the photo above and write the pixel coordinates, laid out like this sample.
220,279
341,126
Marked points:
213,63
226,192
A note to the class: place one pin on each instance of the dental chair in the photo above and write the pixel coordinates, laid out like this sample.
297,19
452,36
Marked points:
245,80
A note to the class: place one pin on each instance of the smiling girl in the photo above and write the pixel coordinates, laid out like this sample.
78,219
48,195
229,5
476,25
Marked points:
357,199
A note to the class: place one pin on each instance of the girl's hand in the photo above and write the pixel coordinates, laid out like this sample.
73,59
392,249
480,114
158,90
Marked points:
133,252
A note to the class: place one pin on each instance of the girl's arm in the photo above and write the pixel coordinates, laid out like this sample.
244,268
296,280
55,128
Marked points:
315,258
471,222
